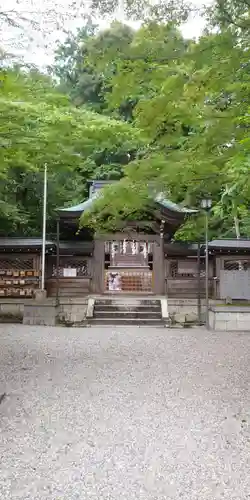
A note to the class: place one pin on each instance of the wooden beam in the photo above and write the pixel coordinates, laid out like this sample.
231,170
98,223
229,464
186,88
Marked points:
127,235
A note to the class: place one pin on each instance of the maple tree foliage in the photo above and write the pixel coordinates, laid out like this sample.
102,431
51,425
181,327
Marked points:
161,113
38,125
192,106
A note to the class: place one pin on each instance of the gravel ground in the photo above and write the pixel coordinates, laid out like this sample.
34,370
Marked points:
115,413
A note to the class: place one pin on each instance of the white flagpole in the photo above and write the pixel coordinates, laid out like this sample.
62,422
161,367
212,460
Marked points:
44,225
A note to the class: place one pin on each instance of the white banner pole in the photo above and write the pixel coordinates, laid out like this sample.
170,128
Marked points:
44,226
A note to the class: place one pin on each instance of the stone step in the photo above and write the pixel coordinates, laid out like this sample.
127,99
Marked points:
127,314
128,302
127,321
69,293
127,311
127,308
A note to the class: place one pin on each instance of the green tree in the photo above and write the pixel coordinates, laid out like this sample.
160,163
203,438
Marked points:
234,14
37,126
76,65
76,76
160,10
193,108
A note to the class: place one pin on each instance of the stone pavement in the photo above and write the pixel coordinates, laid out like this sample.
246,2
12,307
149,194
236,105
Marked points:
124,413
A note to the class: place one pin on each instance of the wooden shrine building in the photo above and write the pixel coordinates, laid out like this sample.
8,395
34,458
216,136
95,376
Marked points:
135,261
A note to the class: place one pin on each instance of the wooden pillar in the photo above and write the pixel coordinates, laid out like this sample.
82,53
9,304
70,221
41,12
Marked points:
37,263
98,266
219,263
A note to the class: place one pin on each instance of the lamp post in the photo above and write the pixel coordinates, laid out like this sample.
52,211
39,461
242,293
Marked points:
206,205
44,226
162,268
57,258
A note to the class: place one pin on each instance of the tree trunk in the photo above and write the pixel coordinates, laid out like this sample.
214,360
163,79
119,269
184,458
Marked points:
237,226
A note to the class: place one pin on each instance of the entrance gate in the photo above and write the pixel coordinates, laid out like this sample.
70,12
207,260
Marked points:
128,266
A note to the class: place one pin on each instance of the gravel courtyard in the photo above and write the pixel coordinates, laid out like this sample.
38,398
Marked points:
116,413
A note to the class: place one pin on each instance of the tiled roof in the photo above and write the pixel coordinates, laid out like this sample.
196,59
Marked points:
36,243
23,242
76,246
241,244
170,205
98,185
77,208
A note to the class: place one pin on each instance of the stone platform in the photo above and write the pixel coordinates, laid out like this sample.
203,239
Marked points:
230,318
69,312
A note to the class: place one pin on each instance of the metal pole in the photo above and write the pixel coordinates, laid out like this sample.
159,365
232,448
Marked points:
207,271
44,226
57,259
162,259
199,283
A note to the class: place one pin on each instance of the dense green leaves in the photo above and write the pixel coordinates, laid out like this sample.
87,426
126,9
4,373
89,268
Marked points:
38,126
167,10
192,104
80,75
187,104
234,14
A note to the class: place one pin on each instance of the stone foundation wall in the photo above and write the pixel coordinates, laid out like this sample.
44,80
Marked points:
186,310
230,318
11,310
44,312
72,311
39,313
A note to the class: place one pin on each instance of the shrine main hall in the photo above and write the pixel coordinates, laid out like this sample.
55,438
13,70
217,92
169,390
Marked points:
142,260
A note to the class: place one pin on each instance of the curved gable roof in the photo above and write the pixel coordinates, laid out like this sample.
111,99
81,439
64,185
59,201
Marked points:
76,211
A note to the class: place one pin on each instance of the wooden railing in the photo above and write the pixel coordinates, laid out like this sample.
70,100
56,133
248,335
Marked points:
188,288
74,276
184,279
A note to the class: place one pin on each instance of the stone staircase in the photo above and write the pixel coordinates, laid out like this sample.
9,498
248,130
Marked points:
127,311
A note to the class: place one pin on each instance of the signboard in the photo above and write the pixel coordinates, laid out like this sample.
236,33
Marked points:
69,272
